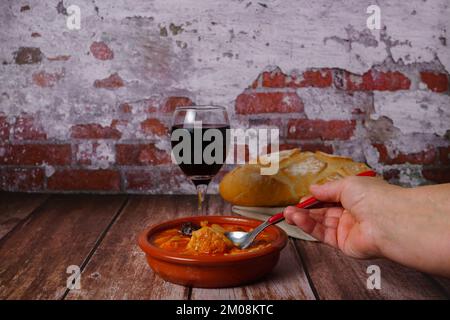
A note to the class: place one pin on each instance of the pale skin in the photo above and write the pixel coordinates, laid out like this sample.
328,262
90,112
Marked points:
375,219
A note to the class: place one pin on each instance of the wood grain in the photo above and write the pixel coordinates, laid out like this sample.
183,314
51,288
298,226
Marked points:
336,276
15,208
287,281
444,283
35,257
118,269
98,233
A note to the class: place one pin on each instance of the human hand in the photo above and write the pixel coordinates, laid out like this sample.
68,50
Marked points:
375,219
354,225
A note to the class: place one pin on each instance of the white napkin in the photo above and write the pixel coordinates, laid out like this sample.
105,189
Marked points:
262,213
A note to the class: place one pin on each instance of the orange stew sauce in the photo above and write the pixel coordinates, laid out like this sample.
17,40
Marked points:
208,239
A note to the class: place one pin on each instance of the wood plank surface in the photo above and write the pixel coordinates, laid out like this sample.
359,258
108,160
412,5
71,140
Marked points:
118,269
287,281
41,238
16,207
444,283
62,232
336,276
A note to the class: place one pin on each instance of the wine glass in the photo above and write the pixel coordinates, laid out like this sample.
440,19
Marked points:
200,139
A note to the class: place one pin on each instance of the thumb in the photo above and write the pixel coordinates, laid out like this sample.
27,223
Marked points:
330,191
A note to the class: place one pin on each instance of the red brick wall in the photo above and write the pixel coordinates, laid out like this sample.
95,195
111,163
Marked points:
89,110
96,157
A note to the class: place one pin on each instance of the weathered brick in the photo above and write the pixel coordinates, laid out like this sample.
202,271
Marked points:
151,109
321,78
427,156
156,181
22,179
272,102
377,80
154,126
35,154
437,82
84,153
312,147
125,108
141,154
116,123
321,129
98,153
358,111
45,79
275,79
444,155
28,55
101,51
94,131
112,82
4,129
269,123
172,103
27,128
153,104
266,122
81,179
439,175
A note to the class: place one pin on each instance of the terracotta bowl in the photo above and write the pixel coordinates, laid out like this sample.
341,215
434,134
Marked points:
212,271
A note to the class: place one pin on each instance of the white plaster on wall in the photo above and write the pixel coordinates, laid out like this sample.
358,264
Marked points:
100,153
414,112
224,45
332,104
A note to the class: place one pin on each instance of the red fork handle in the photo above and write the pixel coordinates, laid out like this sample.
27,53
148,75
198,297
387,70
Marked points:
312,201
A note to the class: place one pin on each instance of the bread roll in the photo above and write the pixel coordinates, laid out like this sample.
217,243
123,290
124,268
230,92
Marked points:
245,186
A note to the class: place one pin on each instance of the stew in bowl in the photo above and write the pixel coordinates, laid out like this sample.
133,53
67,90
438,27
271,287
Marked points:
194,251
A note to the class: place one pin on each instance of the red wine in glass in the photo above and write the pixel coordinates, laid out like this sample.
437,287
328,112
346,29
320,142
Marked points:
203,172
206,129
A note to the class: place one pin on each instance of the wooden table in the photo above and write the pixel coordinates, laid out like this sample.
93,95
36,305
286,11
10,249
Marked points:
41,235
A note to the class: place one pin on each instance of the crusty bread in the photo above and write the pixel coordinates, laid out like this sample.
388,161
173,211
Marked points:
245,186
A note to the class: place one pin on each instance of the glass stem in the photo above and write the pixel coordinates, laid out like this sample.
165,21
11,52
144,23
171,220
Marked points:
201,192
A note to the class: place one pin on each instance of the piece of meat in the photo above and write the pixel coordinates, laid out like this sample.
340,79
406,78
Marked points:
209,240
